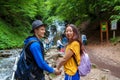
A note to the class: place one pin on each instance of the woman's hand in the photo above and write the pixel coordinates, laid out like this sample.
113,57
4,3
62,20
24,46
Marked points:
57,72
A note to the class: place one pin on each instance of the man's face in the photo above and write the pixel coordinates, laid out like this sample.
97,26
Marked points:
40,32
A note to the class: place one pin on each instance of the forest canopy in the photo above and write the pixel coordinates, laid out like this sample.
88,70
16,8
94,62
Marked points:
16,15
22,12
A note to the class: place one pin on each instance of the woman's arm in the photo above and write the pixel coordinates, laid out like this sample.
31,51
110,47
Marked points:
63,60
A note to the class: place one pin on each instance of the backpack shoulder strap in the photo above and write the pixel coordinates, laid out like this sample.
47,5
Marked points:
27,45
75,60
30,42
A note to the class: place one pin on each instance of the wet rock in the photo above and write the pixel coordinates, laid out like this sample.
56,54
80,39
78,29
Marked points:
5,55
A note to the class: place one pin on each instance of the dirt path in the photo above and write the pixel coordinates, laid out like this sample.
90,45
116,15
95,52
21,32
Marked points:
106,59
106,56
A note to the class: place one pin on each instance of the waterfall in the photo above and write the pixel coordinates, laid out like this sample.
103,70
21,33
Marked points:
56,28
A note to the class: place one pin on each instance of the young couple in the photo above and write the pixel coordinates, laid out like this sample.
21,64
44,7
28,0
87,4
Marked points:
72,49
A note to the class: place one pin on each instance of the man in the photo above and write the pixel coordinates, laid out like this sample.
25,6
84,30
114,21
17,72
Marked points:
84,39
64,39
37,51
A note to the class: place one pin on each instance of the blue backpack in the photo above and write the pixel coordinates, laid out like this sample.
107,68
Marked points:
23,68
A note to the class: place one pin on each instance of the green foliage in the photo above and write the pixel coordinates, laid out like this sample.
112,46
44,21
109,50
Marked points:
67,10
105,9
21,12
17,15
94,66
77,11
115,40
116,16
53,75
17,12
11,37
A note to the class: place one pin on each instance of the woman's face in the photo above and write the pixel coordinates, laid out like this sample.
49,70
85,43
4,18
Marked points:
69,32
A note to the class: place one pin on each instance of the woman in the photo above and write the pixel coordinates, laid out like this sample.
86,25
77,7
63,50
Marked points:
72,49
59,44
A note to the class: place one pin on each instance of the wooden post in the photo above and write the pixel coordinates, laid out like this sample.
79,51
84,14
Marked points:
101,35
113,34
104,28
107,32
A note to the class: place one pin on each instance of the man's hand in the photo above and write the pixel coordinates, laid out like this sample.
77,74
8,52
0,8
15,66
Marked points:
57,72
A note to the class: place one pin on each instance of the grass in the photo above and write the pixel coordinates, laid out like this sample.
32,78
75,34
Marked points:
94,66
115,40
52,75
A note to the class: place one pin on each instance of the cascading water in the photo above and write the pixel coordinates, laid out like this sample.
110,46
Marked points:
59,28
6,64
56,28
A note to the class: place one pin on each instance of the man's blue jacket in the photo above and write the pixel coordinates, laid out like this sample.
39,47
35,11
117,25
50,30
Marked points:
36,50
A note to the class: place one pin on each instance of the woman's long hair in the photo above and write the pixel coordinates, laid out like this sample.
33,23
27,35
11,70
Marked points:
76,36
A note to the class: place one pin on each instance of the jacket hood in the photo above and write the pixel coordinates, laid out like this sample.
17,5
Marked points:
30,38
